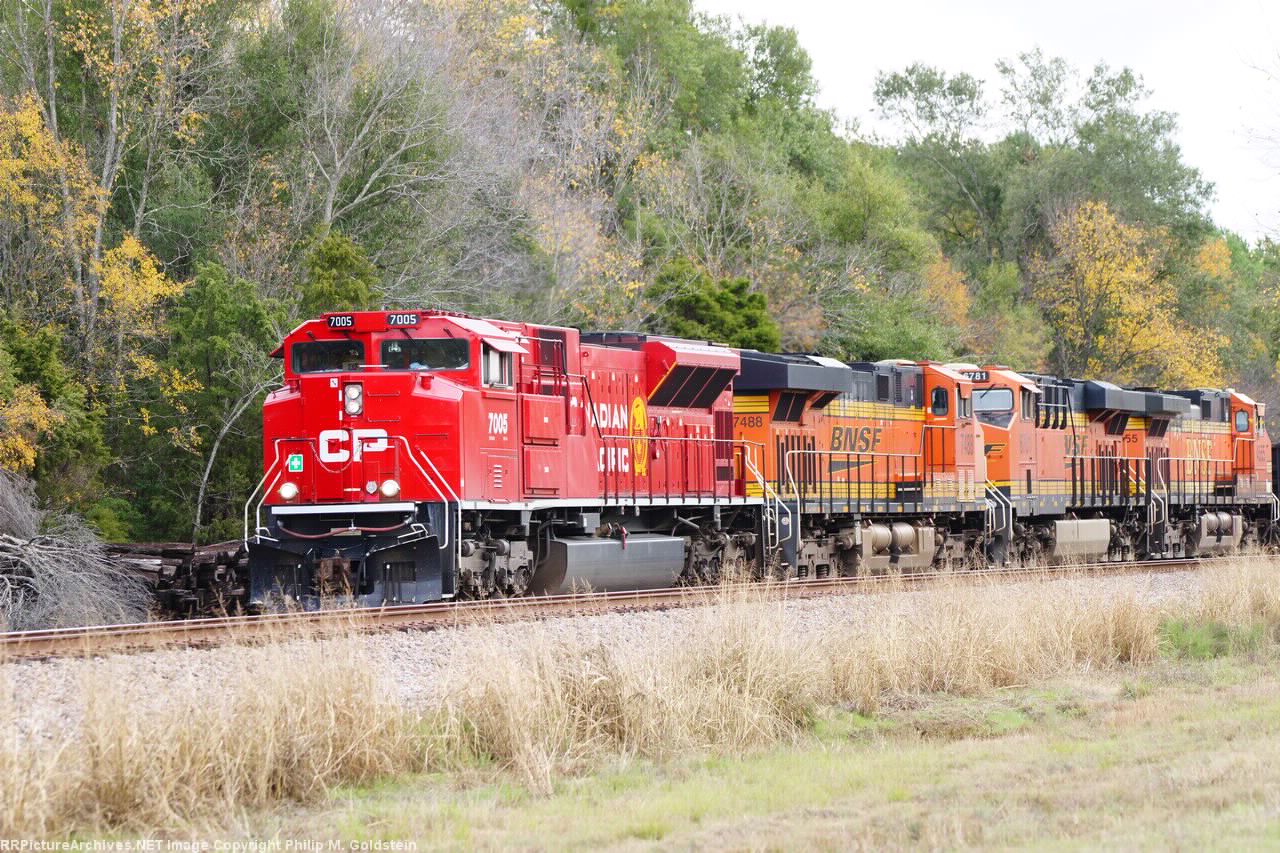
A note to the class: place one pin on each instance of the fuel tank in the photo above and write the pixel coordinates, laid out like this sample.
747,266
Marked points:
641,561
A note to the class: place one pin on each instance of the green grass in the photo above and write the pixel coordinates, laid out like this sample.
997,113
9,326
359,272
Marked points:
1180,638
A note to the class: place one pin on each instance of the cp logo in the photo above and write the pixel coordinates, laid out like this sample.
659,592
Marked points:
333,444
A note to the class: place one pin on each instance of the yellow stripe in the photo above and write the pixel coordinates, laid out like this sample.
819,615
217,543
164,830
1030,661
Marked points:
753,405
883,411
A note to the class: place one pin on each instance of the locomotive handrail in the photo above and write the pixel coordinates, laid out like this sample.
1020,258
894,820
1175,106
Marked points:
698,441
258,509
918,453
794,488
1225,461
771,497
1003,501
1101,456
444,543
260,531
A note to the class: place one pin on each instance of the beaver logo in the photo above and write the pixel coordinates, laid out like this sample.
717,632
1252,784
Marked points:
640,445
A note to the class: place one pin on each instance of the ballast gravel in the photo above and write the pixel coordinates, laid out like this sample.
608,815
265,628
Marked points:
411,664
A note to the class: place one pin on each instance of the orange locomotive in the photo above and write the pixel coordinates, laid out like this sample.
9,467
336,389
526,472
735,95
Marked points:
871,466
1087,470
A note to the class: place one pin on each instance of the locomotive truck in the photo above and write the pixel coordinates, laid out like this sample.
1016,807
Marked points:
416,456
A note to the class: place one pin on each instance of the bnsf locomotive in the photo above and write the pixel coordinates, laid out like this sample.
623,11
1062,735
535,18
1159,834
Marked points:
418,456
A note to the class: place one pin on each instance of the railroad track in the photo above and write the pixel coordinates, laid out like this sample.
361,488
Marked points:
144,636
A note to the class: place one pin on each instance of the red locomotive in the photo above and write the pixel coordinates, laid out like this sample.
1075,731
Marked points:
413,456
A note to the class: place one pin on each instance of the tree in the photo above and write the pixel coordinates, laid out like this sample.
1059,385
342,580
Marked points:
50,206
778,68
338,277
71,452
695,55
689,304
224,332
941,116
1038,97
25,419
134,65
1112,312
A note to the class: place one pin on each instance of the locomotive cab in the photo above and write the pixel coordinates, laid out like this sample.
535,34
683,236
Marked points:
362,456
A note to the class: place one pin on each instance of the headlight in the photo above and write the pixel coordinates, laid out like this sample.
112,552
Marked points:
353,398
288,491
390,488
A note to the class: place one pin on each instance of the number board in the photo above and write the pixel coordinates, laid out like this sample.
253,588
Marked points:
975,375
402,319
341,321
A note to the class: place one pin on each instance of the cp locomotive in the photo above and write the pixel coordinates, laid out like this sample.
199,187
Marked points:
416,456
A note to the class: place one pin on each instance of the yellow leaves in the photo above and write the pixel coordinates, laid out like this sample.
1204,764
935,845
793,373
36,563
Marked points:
190,127
123,43
24,419
35,169
175,389
945,290
133,290
1214,259
132,286
1113,313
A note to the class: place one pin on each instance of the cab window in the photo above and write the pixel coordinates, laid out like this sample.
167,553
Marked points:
428,354
1242,421
994,406
497,367
993,400
939,401
326,356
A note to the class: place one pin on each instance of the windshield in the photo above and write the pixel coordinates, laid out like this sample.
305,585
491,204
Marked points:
429,354
327,356
992,400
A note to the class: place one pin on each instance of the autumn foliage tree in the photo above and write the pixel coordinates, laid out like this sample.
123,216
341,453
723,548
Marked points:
25,419
1112,310
182,180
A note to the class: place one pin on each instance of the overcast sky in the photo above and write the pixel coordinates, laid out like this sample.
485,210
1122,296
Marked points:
1207,62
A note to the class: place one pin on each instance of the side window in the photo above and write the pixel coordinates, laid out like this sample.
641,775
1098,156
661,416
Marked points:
965,407
497,367
1242,421
938,401
1028,405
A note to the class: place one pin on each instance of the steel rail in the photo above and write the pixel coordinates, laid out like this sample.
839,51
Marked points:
143,636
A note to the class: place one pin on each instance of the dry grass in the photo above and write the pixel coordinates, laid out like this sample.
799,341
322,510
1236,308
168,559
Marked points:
549,707
292,722
296,719
1242,593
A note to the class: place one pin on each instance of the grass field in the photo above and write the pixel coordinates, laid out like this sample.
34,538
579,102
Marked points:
1179,753
993,715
